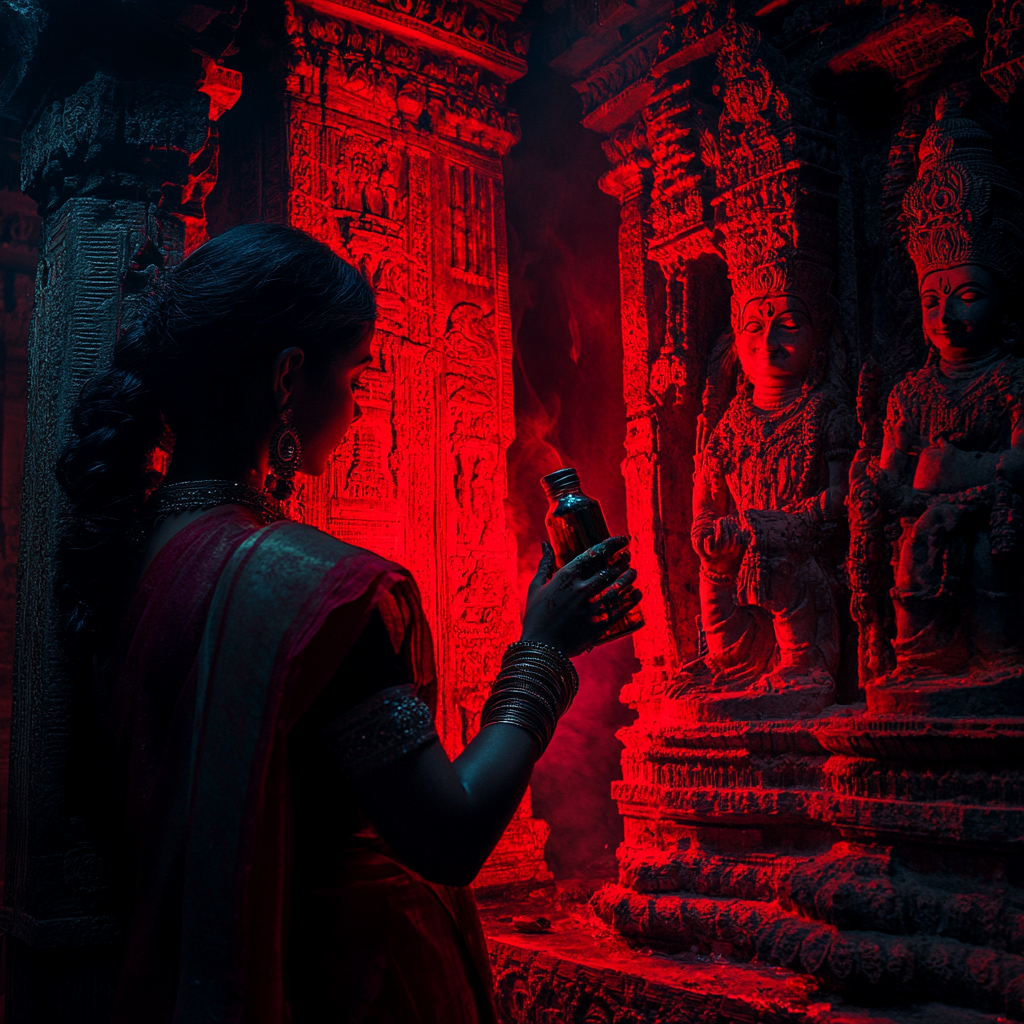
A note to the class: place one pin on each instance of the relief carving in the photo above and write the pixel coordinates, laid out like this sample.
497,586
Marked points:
768,506
390,81
394,151
948,470
1003,66
773,449
868,851
472,243
471,382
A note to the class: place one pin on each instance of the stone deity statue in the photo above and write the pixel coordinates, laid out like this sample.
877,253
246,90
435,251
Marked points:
951,465
769,493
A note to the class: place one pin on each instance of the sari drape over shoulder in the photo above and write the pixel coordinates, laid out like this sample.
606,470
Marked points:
231,636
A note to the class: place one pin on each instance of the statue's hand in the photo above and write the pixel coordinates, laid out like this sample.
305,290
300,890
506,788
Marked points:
722,551
933,468
945,469
1011,467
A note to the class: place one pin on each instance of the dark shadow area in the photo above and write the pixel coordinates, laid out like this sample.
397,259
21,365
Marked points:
564,293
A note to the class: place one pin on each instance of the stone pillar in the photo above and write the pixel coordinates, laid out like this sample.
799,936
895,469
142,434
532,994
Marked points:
693,795
674,306
642,293
19,240
118,166
396,126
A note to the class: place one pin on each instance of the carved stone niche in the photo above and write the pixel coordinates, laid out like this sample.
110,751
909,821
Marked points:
934,766
876,853
937,483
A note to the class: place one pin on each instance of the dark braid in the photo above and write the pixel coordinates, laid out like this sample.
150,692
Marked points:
207,335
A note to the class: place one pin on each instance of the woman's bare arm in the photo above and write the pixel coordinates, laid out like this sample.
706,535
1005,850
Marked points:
443,817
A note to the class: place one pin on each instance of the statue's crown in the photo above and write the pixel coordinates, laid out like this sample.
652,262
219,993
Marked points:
765,257
963,207
777,273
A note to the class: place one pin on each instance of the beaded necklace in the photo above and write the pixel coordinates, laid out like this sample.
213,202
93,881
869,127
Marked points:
202,495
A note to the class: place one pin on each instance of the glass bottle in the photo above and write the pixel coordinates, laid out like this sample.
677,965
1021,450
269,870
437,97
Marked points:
575,522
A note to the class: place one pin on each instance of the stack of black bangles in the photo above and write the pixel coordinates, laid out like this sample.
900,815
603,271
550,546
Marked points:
534,688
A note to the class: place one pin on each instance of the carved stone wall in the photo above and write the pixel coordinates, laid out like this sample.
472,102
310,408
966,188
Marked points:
846,846
871,849
19,239
119,165
396,126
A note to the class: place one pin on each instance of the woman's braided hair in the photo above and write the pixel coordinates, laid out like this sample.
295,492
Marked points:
207,337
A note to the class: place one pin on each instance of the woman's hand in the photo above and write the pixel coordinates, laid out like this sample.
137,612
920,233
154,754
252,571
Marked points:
571,608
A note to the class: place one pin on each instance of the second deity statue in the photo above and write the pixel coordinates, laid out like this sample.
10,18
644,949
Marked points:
769,504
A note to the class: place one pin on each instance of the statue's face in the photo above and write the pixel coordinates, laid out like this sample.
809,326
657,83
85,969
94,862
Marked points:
960,310
775,339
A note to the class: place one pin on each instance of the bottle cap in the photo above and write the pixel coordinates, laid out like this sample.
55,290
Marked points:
560,482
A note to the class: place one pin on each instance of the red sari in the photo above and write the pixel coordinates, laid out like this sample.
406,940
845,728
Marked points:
233,633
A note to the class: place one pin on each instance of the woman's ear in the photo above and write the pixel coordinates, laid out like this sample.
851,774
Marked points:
285,376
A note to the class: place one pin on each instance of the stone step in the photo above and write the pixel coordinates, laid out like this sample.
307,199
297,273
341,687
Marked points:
574,976
572,968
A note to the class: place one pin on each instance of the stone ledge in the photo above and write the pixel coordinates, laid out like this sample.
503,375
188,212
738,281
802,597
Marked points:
572,978
582,972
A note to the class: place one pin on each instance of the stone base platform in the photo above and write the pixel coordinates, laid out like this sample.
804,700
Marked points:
579,971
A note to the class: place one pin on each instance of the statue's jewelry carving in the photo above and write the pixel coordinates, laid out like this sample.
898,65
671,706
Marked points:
768,506
940,486
284,459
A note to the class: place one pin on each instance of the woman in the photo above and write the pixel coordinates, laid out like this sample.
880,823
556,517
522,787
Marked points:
297,842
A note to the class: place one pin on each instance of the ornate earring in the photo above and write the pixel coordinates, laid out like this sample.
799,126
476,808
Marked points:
285,457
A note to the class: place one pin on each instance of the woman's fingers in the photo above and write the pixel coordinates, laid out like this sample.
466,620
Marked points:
615,610
599,581
545,570
610,600
595,559
615,585
572,607
619,583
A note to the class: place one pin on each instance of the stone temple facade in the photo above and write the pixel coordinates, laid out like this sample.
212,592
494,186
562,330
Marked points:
822,792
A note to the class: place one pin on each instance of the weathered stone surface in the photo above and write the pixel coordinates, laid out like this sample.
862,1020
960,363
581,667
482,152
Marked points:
396,129
120,165
874,846
581,973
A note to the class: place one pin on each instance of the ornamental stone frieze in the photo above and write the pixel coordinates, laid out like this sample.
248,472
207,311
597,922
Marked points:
823,790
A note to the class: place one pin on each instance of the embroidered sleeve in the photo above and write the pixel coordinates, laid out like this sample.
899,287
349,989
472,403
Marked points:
380,730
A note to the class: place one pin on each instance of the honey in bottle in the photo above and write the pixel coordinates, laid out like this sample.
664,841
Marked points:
575,522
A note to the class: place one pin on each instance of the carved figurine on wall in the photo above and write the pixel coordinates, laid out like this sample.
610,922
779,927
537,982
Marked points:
951,466
769,493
